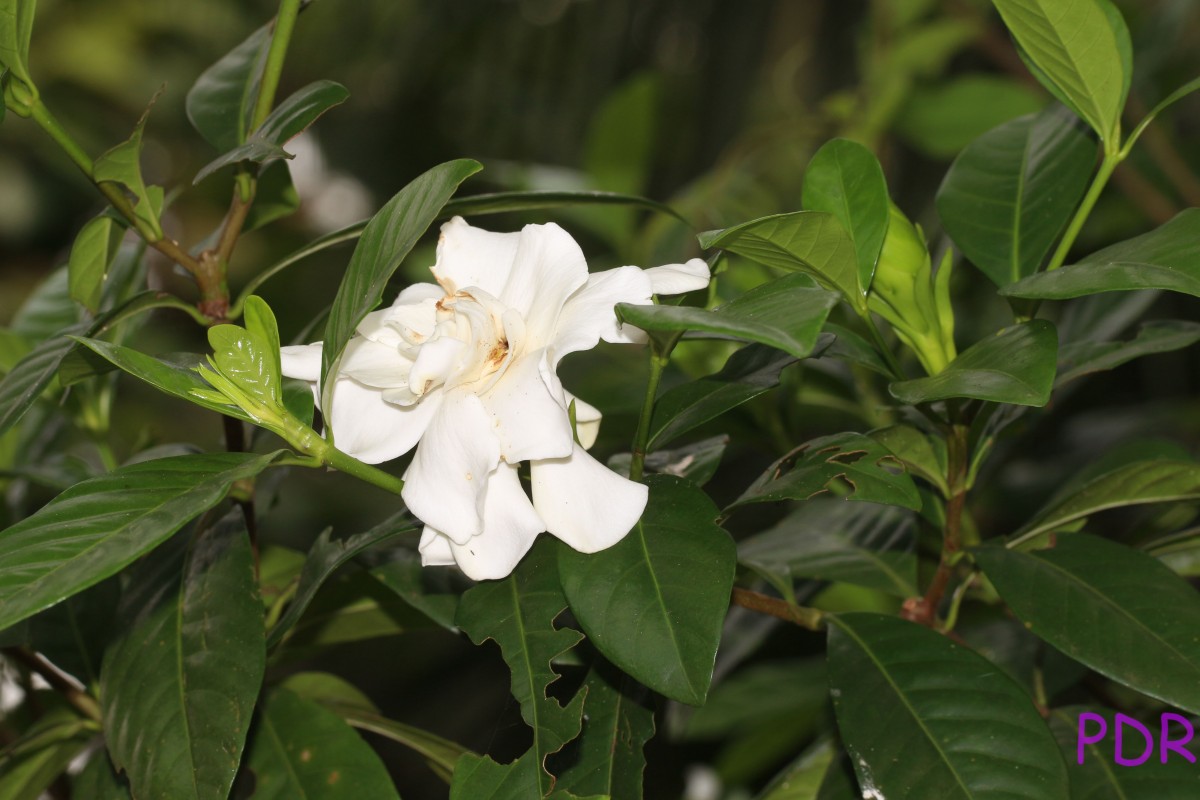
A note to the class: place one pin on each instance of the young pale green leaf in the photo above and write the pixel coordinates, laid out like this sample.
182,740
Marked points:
1115,609
607,759
260,323
122,165
384,243
91,255
289,119
786,314
221,102
1157,336
845,179
248,360
812,242
1097,779
921,716
16,28
518,613
97,527
325,557
187,669
845,463
1167,257
829,540
185,384
1081,52
303,750
747,374
1011,192
654,603
1015,365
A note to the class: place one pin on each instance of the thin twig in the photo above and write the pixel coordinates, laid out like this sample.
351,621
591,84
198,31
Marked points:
59,681
809,618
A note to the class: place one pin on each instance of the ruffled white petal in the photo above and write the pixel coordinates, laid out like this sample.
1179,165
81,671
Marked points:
371,429
301,361
435,549
469,256
589,317
444,484
587,421
529,420
510,526
372,364
547,269
679,278
583,502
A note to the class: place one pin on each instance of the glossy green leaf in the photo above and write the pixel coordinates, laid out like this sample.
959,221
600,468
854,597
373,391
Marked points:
923,717
654,603
122,165
845,179
851,347
98,781
844,464
943,118
48,309
181,382
221,102
518,613
830,540
1081,51
325,557
16,28
1100,778
1167,257
750,372
186,672
812,242
91,255
481,778
1157,336
97,527
289,119
1015,365
1115,609
786,314
922,454
607,758
384,243
303,751
1010,193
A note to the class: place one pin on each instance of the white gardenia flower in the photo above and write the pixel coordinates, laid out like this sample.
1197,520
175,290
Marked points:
466,370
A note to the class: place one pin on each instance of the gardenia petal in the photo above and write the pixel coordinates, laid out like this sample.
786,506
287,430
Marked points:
301,361
434,548
444,484
588,316
679,278
530,421
510,526
587,421
583,502
469,256
378,366
372,429
547,269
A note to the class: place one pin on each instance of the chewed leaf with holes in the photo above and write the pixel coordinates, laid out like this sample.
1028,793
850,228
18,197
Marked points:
846,465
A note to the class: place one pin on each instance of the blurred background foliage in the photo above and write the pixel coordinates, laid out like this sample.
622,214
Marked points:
713,106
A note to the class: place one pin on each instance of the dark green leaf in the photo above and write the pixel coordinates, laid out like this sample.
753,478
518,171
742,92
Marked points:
1115,609
434,593
26,381
1015,365
786,314
924,717
97,527
75,633
812,242
91,255
1158,336
829,540
816,775
187,670
654,603
1010,193
16,27
48,309
288,120
1167,257
518,613
607,758
696,462
481,778
384,243
849,346
540,200
325,557
771,695
302,751
275,196
221,102
921,453
845,179
849,464
98,781
1081,52
747,374
943,118
122,165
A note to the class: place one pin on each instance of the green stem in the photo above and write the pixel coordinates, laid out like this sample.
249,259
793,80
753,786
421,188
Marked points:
641,439
42,116
364,472
1110,162
285,22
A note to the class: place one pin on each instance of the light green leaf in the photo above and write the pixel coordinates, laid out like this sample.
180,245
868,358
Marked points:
812,242
248,359
97,527
786,314
1157,336
921,716
1015,365
940,120
30,776
122,165
1110,607
16,28
221,102
845,179
921,453
848,464
91,255
1167,257
1081,50
384,243
654,603
188,667
1010,193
